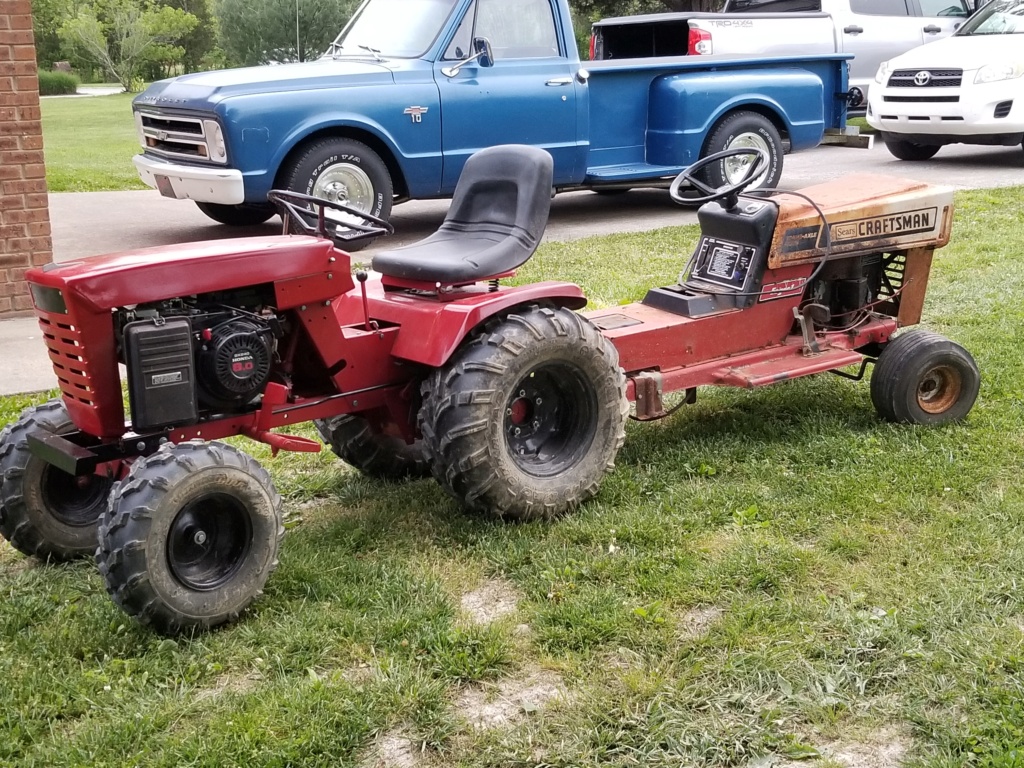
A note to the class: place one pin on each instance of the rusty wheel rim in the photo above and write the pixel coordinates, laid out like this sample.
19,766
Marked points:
939,389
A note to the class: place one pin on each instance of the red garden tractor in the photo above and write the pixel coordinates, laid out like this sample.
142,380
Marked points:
514,401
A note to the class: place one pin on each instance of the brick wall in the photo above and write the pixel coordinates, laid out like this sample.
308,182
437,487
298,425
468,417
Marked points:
24,216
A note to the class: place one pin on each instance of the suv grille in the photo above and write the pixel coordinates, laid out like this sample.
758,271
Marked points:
937,78
184,137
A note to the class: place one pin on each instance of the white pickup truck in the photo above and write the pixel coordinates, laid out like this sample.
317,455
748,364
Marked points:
967,89
872,31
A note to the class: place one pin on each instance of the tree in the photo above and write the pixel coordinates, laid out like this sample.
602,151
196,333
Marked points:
201,41
121,36
280,30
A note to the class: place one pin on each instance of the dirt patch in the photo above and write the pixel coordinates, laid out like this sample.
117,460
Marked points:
695,623
241,684
493,600
884,749
510,700
395,750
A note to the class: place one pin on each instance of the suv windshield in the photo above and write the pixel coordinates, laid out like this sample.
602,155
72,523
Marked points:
402,29
998,17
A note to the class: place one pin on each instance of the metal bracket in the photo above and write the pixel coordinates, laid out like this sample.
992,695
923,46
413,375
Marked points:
807,328
648,387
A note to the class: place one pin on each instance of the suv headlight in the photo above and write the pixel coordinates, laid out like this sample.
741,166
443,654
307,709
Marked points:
883,73
993,73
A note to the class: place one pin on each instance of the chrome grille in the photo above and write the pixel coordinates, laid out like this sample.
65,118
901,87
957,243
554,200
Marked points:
174,136
937,78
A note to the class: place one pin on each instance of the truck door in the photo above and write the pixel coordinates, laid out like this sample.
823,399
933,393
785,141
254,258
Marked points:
527,97
876,30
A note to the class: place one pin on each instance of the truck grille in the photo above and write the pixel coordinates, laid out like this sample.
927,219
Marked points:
175,136
936,78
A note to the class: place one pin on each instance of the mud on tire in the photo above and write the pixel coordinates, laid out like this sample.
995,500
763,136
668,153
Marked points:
44,511
354,440
527,417
190,537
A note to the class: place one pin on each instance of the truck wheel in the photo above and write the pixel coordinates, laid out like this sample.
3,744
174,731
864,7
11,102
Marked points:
924,378
526,419
190,536
344,171
44,511
743,129
908,150
355,442
237,215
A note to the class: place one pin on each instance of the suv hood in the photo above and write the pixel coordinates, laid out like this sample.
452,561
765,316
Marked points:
968,52
204,89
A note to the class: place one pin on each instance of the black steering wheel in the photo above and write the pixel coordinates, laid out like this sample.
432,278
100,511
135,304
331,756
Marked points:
730,192
309,215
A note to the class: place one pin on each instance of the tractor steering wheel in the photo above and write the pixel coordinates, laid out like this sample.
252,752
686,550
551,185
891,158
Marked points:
730,192
309,215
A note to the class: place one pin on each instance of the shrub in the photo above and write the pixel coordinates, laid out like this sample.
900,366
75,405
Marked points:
57,83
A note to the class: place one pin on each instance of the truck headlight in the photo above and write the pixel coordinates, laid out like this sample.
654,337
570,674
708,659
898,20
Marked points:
215,141
883,73
993,73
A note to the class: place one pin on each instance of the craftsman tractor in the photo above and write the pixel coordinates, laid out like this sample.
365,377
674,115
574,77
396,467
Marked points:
512,400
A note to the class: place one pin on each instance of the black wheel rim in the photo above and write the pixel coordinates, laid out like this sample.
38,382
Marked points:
550,419
208,541
76,501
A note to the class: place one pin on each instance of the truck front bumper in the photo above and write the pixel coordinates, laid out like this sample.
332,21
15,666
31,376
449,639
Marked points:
191,182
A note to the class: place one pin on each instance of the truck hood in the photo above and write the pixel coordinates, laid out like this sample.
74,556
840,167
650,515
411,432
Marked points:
969,52
203,89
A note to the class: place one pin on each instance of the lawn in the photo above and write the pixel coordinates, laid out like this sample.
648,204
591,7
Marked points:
89,142
767,578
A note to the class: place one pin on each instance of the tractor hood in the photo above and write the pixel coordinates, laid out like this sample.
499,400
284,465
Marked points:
203,89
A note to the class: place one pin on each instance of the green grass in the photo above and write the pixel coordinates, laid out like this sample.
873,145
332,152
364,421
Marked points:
858,582
89,143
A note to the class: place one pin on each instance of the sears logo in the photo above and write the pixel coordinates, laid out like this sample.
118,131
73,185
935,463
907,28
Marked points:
781,290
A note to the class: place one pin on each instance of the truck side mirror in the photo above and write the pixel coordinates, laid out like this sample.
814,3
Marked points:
484,52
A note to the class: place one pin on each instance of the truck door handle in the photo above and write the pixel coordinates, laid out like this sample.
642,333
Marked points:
853,29
931,29
559,81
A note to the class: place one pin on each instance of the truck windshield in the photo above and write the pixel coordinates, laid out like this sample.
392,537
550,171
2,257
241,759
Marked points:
401,29
998,17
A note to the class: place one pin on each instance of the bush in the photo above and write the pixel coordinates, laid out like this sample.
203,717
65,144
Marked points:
57,83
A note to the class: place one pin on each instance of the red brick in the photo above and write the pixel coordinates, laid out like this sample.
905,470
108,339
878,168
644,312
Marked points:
26,244
39,229
26,187
36,201
17,68
22,303
10,113
42,259
29,81
10,231
9,143
5,306
17,36
28,112
24,53
32,142
15,261
34,171
10,172
19,157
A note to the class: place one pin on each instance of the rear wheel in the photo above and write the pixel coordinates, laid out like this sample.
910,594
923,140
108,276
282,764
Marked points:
741,130
355,441
190,537
924,378
44,511
237,215
908,150
526,420
343,171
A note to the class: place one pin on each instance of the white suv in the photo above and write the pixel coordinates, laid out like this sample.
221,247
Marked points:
966,89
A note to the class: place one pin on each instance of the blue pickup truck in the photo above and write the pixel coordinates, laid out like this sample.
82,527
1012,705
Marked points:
411,88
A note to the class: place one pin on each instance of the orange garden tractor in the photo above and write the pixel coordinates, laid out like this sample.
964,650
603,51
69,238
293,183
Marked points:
514,401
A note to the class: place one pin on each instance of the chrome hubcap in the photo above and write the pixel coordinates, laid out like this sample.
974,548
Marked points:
347,184
734,167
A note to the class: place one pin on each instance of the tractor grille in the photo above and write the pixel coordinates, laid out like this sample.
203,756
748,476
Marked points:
936,78
64,343
892,280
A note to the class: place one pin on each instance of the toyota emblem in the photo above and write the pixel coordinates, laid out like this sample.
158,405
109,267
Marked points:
922,78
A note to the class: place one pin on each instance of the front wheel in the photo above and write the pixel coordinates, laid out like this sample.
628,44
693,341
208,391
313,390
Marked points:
526,419
190,537
743,130
237,215
44,511
908,150
343,171
924,378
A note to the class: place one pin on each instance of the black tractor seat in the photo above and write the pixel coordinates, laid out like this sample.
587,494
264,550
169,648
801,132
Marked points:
495,222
